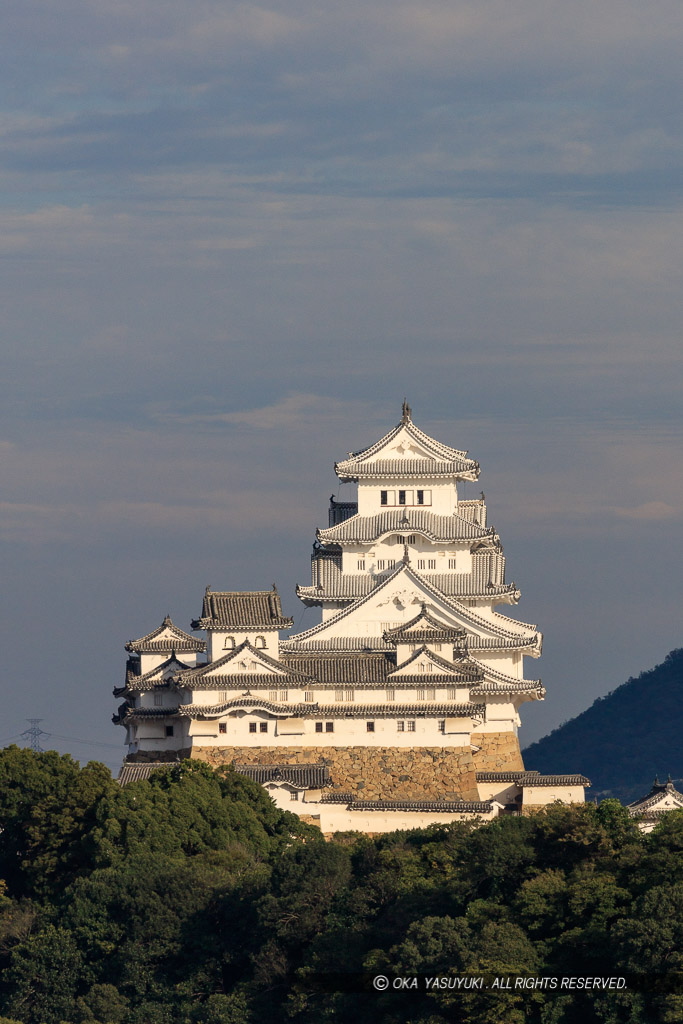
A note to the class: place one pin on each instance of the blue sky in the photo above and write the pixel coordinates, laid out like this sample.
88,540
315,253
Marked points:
233,237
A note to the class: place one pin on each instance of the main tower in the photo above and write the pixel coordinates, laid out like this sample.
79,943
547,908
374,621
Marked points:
401,706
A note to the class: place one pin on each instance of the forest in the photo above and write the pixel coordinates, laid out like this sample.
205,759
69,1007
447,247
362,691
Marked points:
190,898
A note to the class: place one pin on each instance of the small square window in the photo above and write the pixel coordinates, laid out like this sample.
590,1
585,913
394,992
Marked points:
284,695
401,726
420,694
309,696
431,563
158,700
370,726
381,564
272,696
391,694
411,726
222,727
383,498
222,696
329,726
361,563
420,563
263,727
293,795
169,730
318,726
252,727
451,563
442,725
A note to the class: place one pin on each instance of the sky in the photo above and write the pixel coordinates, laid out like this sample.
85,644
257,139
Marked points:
233,237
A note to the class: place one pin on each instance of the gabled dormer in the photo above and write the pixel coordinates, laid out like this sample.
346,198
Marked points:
155,647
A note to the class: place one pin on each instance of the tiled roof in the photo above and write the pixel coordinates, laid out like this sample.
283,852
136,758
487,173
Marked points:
495,626
338,586
424,468
499,682
301,776
203,676
407,632
257,609
504,776
485,643
178,640
366,529
340,668
357,464
131,713
136,772
431,806
425,709
155,679
647,805
339,643
462,669
532,779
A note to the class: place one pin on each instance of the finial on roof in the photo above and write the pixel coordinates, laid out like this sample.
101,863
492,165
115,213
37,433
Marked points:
407,412
656,782
406,557
483,496
167,621
208,588
669,780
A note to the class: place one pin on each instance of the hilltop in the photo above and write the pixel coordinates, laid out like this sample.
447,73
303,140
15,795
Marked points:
624,739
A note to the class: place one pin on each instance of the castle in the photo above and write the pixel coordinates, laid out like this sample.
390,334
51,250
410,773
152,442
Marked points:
401,707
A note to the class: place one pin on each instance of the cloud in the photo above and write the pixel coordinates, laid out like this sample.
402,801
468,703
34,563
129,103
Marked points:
650,511
294,411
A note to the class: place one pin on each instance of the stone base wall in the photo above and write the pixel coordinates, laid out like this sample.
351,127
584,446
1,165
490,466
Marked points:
499,752
371,773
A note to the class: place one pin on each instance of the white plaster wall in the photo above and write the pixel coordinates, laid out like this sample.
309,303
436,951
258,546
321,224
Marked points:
538,796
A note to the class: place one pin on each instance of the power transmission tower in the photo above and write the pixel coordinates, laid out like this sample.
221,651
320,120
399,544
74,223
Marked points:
34,733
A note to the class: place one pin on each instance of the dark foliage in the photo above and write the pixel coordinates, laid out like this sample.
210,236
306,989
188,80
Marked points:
190,899
620,742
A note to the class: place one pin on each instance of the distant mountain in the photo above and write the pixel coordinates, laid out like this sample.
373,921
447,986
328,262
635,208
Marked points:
624,739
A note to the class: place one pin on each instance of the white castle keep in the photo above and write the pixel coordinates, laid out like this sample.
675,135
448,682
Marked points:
401,707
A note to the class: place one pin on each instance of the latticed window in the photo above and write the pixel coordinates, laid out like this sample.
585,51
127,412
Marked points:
272,695
370,726
339,695
284,695
421,694
391,694
431,563
252,727
318,726
442,725
361,563
349,694
222,727
452,693
420,563
263,727
222,696
381,563
329,726
451,563
309,696
411,726
158,700
401,726
430,694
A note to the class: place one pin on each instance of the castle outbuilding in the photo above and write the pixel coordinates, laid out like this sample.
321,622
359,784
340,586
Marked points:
401,707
